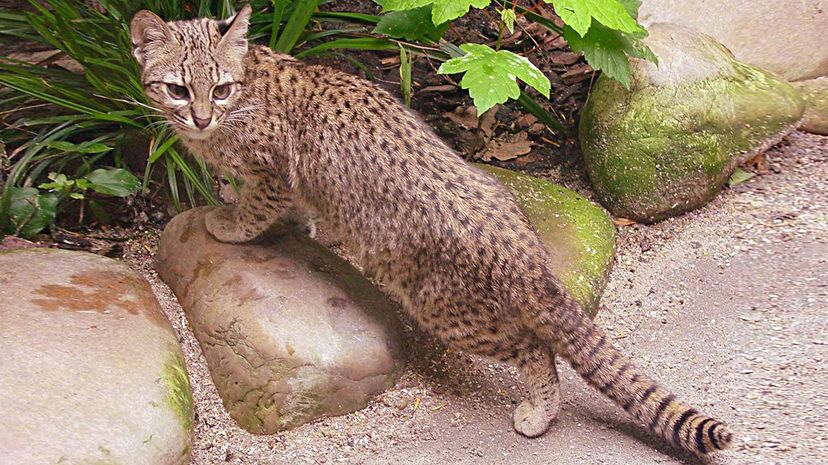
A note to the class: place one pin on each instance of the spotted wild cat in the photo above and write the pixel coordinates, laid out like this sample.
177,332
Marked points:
444,238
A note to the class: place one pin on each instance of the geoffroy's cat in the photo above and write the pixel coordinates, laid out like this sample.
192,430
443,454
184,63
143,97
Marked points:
446,239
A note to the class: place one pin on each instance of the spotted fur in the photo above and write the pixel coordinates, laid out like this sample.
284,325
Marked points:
445,238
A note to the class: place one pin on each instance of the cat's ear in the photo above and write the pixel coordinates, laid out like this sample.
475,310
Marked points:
234,31
147,29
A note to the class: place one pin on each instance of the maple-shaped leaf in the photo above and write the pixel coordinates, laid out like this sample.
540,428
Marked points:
441,10
578,14
491,76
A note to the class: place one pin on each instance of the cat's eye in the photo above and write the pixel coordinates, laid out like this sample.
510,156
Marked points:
221,92
178,92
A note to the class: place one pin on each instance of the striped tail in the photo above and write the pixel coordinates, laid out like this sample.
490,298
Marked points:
592,355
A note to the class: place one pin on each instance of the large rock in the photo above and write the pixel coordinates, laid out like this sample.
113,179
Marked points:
787,37
668,144
815,93
291,332
90,369
578,234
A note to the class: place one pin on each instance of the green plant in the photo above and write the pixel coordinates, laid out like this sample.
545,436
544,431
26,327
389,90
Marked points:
96,112
605,30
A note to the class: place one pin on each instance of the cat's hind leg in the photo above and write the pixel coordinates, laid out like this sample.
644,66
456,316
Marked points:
536,363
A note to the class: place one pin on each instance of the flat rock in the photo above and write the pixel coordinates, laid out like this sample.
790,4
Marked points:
815,93
579,235
90,369
290,331
667,145
786,37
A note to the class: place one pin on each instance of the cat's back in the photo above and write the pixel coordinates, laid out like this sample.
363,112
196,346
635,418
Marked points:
376,167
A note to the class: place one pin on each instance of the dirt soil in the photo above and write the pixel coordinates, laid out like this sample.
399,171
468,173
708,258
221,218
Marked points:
726,305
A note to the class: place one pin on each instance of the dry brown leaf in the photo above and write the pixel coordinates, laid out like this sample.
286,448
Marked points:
528,158
504,150
440,88
759,163
564,58
576,73
467,118
619,221
488,121
526,120
464,116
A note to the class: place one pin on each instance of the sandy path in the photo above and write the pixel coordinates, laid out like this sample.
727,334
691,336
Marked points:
727,305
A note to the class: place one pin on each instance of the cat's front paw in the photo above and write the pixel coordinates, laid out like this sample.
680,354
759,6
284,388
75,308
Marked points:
221,224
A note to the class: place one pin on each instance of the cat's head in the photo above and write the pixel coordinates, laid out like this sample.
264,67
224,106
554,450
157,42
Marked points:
192,70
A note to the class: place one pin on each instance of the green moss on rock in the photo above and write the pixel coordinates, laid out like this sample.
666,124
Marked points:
668,144
578,234
179,398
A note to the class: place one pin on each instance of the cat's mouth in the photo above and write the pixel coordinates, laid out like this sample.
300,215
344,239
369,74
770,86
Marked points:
191,131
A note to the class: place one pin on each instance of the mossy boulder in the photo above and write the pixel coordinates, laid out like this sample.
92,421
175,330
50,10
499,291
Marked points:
668,144
90,368
578,234
815,93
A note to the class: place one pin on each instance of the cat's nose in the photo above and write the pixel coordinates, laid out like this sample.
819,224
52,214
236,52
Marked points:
201,123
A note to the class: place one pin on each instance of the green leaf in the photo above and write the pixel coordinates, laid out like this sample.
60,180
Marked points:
631,6
490,76
609,50
30,211
415,25
579,14
739,176
99,212
508,17
405,76
442,10
359,43
296,24
114,181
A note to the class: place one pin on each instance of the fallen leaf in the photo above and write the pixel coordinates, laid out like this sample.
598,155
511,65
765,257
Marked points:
526,120
619,221
529,158
440,88
464,116
488,121
504,150
758,163
564,58
467,118
576,73
739,176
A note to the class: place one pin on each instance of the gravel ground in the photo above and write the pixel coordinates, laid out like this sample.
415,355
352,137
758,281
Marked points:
726,305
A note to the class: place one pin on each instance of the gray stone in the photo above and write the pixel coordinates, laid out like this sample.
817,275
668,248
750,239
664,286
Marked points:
90,369
815,93
787,37
579,235
668,144
290,331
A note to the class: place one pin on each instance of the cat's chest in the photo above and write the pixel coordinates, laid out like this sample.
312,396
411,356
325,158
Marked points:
222,152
